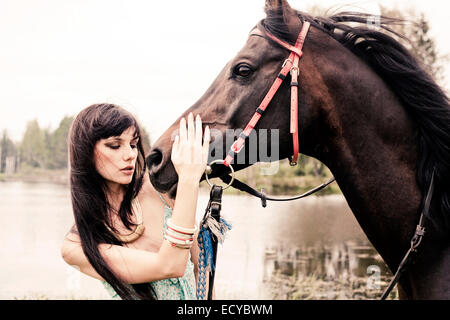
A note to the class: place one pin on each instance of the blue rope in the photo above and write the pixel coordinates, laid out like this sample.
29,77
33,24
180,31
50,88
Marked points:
206,259
206,235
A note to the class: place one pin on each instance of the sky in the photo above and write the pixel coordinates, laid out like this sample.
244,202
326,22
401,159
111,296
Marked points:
155,58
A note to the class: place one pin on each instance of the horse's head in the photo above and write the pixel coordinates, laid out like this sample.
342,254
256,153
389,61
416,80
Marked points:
367,109
231,100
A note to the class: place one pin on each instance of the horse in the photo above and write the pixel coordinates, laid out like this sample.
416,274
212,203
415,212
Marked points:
367,109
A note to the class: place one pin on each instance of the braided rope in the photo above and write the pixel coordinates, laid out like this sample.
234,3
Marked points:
209,226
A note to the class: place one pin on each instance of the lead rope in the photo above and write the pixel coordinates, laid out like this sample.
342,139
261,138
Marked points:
241,186
212,231
415,241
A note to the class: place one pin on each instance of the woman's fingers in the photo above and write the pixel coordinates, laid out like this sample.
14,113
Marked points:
206,140
175,146
198,130
182,130
189,154
191,136
191,128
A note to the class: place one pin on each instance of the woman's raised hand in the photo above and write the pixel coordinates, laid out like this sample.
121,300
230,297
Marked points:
189,155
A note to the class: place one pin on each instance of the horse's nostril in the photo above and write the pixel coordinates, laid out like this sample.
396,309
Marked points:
154,159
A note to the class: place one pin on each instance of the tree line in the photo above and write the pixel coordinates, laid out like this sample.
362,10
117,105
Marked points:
40,147
46,149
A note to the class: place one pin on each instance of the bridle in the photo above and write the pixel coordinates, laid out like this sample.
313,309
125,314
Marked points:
212,212
291,65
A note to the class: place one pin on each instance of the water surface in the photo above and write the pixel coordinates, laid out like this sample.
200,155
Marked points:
311,248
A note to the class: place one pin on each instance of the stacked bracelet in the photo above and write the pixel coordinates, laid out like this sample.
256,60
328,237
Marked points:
182,230
179,236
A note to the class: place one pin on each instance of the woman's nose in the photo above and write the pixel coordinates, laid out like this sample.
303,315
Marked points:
129,153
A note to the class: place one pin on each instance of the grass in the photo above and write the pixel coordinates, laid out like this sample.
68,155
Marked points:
313,287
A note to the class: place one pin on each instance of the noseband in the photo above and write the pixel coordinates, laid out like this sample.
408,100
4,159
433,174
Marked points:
289,65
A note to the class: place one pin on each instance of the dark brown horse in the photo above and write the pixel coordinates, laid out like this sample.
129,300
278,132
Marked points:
367,110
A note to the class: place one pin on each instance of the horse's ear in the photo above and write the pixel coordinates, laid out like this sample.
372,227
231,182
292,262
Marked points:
276,4
281,11
279,7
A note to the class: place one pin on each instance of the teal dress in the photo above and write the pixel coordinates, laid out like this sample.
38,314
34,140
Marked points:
183,288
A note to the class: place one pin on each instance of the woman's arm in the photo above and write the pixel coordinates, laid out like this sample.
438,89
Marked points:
139,266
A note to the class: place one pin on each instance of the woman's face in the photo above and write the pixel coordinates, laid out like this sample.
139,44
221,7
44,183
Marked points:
115,158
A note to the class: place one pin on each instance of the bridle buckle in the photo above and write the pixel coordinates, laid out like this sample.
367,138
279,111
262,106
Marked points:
286,61
234,148
295,69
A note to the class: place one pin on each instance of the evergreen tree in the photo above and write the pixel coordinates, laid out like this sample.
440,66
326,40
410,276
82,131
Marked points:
33,147
7,149
416,38
58,144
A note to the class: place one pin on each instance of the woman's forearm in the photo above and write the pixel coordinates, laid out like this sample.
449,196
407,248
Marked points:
183,215
138,266
185,206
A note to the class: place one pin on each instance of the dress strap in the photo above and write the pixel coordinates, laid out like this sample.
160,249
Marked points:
162,199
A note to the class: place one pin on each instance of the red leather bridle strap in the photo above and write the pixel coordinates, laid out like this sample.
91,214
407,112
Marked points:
290,64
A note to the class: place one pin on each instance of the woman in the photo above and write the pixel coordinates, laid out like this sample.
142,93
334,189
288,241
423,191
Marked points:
126,234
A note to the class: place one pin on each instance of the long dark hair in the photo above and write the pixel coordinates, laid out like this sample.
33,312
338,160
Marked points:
421,96
88,189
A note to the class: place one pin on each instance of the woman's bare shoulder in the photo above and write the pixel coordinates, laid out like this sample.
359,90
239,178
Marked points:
73,234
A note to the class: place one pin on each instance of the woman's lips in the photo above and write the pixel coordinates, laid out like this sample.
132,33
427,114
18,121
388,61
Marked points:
128,170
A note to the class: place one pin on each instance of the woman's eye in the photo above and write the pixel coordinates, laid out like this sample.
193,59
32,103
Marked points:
243,70
115,147
133,146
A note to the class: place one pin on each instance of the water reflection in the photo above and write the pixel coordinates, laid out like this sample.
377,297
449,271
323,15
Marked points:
309,249
348,270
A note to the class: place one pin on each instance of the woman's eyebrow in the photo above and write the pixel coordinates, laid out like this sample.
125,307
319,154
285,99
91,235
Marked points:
114,138
120,139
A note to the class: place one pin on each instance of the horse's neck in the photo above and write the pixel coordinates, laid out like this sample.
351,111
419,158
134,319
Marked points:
378,179
373,155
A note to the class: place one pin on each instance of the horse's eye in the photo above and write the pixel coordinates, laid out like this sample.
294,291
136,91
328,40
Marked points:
243,70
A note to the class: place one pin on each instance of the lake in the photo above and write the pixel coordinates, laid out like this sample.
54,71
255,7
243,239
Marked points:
307,249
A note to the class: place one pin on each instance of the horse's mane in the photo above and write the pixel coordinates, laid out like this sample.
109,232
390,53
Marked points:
421,96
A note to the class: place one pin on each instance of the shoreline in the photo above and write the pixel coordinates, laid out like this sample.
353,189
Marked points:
38,176
284,186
